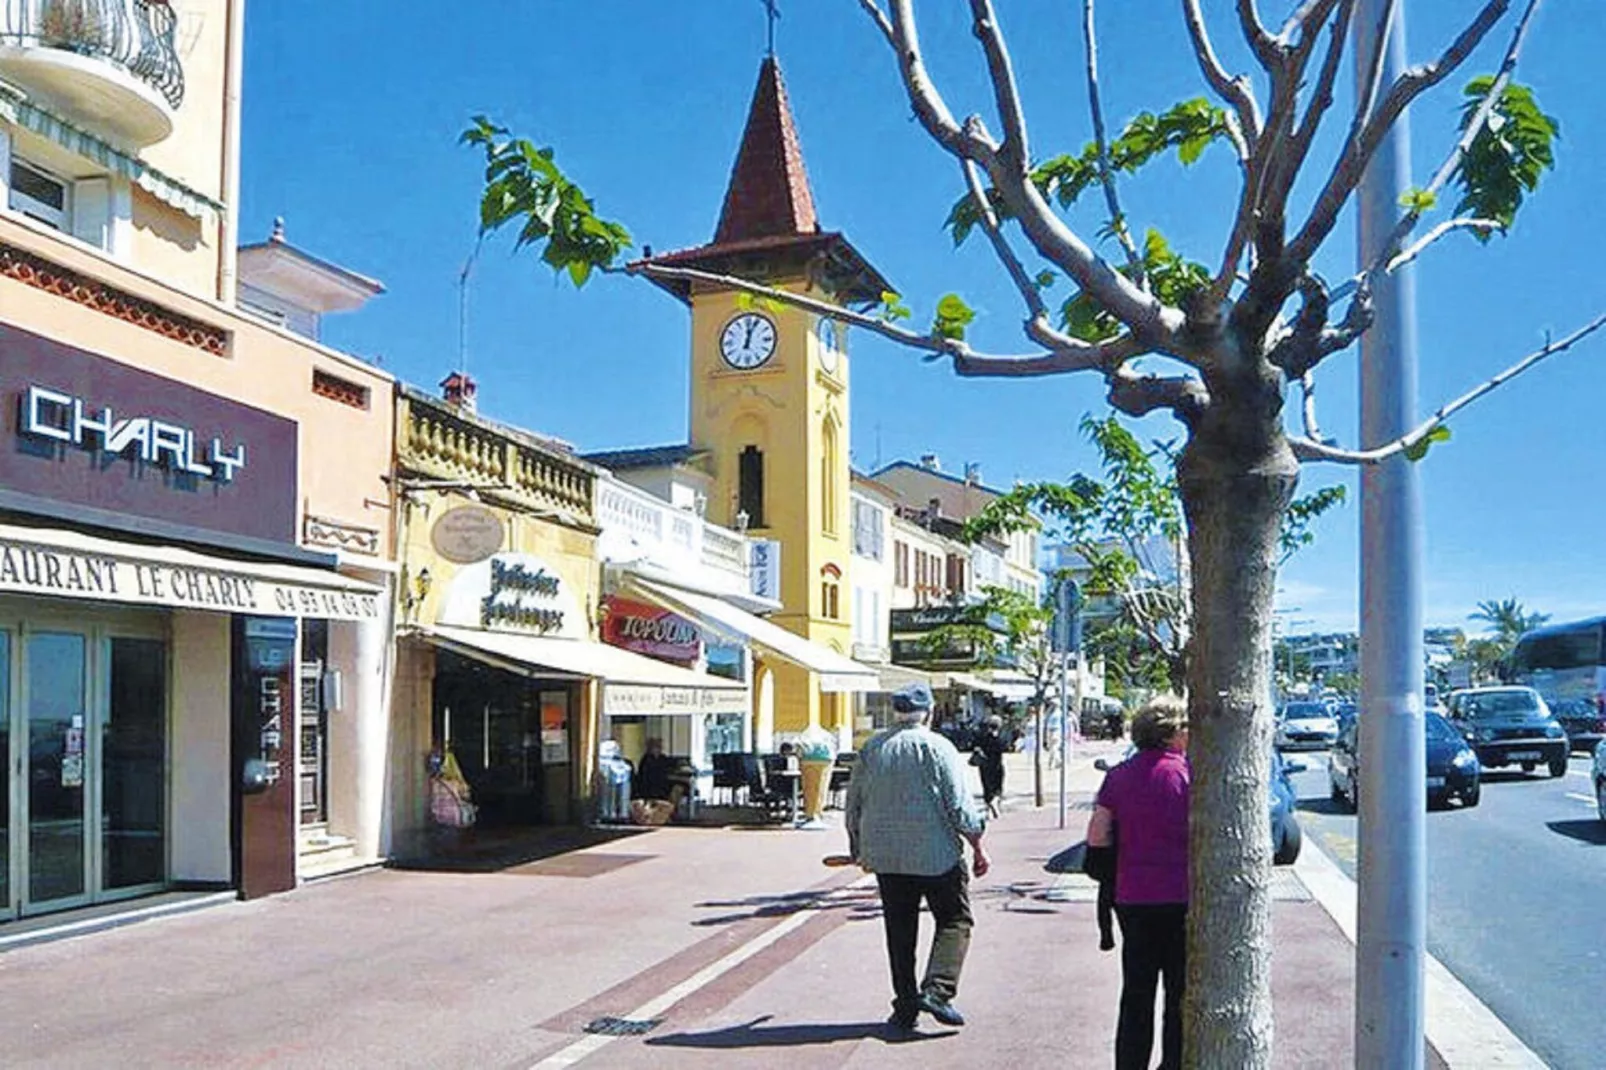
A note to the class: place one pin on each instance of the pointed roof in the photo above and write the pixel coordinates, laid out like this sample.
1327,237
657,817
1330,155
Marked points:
769,192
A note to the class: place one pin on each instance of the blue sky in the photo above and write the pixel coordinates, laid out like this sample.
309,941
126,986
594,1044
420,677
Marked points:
352,111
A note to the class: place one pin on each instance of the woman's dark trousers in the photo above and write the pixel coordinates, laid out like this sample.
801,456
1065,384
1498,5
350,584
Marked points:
1154,944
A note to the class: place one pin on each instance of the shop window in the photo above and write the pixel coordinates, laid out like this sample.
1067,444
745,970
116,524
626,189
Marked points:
750,485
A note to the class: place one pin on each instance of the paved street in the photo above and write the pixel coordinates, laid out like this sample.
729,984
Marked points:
749,952
1514,901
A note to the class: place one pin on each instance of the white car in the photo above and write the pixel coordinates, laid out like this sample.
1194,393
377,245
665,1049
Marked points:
1305,724
1598,774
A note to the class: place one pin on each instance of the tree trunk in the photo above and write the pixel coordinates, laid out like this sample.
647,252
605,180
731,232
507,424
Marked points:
1235,487
1037,759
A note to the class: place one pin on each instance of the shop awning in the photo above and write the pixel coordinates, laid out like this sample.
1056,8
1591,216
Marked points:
67,564
894,677
837,671
631,683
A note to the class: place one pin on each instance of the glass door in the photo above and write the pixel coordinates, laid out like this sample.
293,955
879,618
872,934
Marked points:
55,732
9,784
133,763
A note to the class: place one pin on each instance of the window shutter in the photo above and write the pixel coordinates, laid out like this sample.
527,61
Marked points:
92,211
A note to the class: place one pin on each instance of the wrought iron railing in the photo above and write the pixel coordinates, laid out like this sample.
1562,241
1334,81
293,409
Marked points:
137,35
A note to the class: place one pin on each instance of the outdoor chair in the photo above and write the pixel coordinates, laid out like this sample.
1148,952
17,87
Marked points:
841,774
730,776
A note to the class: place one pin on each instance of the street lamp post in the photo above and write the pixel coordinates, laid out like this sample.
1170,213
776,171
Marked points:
1390,951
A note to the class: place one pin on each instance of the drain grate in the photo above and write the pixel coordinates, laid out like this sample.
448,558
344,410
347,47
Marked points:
623,1027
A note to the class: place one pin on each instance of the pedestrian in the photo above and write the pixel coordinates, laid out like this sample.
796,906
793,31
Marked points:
1144,804
987,755
909,814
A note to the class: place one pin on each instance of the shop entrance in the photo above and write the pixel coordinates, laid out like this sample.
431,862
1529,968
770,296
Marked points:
83,735
509,733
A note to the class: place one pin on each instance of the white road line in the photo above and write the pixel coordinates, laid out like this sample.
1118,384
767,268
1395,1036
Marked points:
1590,799
1465,1032
1584,773
594,1042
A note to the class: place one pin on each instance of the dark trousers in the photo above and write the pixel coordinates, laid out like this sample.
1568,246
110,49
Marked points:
1154,943
948,896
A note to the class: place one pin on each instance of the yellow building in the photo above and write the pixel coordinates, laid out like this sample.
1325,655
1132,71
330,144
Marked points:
770,400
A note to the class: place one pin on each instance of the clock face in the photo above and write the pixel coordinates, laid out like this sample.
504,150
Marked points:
826,332
747,341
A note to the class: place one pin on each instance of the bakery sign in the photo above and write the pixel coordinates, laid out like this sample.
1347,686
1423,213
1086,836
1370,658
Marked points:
513,592
649,630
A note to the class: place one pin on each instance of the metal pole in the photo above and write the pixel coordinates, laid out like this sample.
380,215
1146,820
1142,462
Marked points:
1065,726
1392,935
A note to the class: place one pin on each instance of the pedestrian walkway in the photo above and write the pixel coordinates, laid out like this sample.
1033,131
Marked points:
729,947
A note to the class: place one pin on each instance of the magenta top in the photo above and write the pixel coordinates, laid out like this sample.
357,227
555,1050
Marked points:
1148,794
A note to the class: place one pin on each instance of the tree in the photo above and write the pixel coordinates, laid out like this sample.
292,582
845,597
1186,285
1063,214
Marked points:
1508,621
1218,347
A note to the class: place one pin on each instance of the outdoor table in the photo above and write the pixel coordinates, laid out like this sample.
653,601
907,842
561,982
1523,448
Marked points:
793,778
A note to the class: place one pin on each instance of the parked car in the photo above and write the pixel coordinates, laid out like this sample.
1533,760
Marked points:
1510,726
1598,774
1453,771
1286,835
1305,725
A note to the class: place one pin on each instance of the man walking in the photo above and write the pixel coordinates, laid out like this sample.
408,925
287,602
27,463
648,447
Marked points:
908,811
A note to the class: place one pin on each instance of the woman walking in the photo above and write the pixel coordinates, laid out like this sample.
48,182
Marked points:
1143,810
987,754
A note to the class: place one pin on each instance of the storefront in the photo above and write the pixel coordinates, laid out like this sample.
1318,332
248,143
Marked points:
151,598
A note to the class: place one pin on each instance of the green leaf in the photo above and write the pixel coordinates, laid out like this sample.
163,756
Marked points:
953,316
1419,449
892,307
1506,160
1045,279
744,301
1418,200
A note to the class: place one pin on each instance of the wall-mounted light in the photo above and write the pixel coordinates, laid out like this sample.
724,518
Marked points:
742,520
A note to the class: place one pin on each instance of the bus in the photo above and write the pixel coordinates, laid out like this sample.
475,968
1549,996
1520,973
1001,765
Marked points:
1566,664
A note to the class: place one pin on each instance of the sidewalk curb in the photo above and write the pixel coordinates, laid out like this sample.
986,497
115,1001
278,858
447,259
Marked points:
1465,1032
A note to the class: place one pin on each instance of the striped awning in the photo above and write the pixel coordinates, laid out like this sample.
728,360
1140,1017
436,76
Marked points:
16,108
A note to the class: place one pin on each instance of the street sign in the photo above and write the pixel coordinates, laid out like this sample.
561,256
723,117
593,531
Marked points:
1067,633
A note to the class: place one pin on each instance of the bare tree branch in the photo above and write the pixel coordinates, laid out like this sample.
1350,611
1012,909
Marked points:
879,17
1307,449
1111,199
1416,249
1307,408
1104,357
1316,10
1152,322
1038,325
1321,98
1005,91
1360,149
1235,91
1139,395
1262,43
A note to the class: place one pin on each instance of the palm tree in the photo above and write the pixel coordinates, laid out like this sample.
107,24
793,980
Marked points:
1507,620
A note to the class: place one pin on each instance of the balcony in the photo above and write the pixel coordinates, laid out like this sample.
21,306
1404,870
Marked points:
112,64
638,526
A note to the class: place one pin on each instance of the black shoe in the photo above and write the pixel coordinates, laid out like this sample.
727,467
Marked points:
903,1023
941,1009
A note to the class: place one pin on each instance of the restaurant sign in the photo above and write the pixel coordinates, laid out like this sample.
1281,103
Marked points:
178,583
652,700
513,592
60,417
652,631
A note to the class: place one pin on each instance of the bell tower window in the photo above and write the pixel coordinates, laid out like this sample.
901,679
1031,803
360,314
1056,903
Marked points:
750,485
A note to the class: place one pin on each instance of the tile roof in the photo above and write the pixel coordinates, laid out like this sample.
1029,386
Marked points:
769,192
644,457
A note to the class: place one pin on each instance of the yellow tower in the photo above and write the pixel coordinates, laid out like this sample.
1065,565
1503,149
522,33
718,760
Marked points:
769,390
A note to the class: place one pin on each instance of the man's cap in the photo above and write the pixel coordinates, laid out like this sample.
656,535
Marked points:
912,698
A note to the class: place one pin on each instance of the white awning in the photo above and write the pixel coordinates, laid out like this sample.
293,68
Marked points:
894,677
67,564
631,683
837,672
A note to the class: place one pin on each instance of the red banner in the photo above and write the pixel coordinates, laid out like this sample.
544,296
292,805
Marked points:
652,631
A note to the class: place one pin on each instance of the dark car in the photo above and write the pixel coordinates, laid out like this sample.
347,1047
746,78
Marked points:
1286,835
1453,771
1510,726
1581,718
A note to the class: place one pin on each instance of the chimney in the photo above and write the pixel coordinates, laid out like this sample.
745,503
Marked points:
459,389
973,474
934,508
929,462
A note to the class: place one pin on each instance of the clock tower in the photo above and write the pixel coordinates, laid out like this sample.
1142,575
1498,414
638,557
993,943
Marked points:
769,395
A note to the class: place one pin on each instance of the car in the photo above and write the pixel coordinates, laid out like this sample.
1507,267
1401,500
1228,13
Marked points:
1597,773
1453,771
1510,726
1582,720
1305,724
1286,835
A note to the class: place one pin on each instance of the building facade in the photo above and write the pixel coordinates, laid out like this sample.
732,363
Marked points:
187,587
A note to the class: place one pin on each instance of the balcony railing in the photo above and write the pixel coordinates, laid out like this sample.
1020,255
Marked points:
135,35
672,537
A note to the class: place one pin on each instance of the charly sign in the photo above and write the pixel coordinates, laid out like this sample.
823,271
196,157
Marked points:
60,417
71,572
652,631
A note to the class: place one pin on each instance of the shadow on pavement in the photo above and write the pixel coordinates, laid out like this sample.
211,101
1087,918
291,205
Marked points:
490,850
1510,776
860,902
754,1035
1322,805
1591,831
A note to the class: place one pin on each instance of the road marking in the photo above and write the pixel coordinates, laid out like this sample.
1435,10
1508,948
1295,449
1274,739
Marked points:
1590,799
1464,1031
1585,774
594,1042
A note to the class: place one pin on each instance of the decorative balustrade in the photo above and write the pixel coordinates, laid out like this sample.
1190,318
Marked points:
139,36
672,537
437,444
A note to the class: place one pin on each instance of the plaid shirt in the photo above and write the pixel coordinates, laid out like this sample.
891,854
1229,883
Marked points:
909,805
